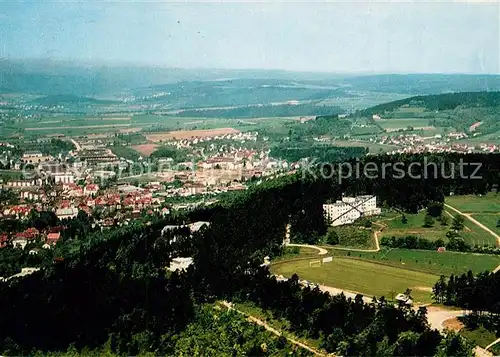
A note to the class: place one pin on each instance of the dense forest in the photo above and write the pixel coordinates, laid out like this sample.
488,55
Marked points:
294,152
110,290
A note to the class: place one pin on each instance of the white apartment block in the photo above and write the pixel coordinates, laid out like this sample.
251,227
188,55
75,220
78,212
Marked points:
349,209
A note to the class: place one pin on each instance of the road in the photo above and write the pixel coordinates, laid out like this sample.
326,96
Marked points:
77,146
321,251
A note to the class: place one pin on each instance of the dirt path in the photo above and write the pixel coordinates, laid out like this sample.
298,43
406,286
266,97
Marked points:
451,216
273,330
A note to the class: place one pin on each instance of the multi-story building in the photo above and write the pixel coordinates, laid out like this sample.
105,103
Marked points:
34,157
349,209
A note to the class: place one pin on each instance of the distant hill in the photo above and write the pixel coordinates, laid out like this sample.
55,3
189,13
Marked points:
446,101
43,77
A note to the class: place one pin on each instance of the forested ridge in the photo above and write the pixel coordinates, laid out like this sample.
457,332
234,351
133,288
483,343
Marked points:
440,102
111,289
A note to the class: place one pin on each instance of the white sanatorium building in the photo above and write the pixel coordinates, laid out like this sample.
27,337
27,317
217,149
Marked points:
349,209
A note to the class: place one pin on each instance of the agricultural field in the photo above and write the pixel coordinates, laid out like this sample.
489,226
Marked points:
145,149
396,124
187,134
358,276
428,261
83,125
472,234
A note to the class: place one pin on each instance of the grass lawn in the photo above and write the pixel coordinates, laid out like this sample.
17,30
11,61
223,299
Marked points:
489,203
490,220
414,226
472,234
367,278
428,261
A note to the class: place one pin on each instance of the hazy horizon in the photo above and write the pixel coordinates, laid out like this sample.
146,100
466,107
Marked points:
335,37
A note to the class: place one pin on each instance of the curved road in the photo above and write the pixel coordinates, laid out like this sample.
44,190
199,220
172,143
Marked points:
321,251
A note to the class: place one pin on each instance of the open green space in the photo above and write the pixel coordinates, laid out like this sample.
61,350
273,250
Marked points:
489,203
472,234
433,262
364,277
353,236
490,220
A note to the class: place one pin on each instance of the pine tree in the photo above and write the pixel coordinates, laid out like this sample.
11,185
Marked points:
458,222
428,221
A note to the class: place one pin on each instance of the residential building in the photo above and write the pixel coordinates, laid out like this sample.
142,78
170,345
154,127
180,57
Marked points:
33,157
66,213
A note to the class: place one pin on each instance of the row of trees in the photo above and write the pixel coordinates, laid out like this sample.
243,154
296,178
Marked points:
478,293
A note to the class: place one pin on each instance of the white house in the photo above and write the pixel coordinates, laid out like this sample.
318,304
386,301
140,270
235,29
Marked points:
349,209
20,242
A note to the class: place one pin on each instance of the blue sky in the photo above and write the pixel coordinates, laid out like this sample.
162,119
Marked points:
381,37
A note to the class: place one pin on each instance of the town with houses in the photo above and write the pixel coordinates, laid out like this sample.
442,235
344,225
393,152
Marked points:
91,180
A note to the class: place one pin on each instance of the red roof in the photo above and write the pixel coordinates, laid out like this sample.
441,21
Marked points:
53,236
